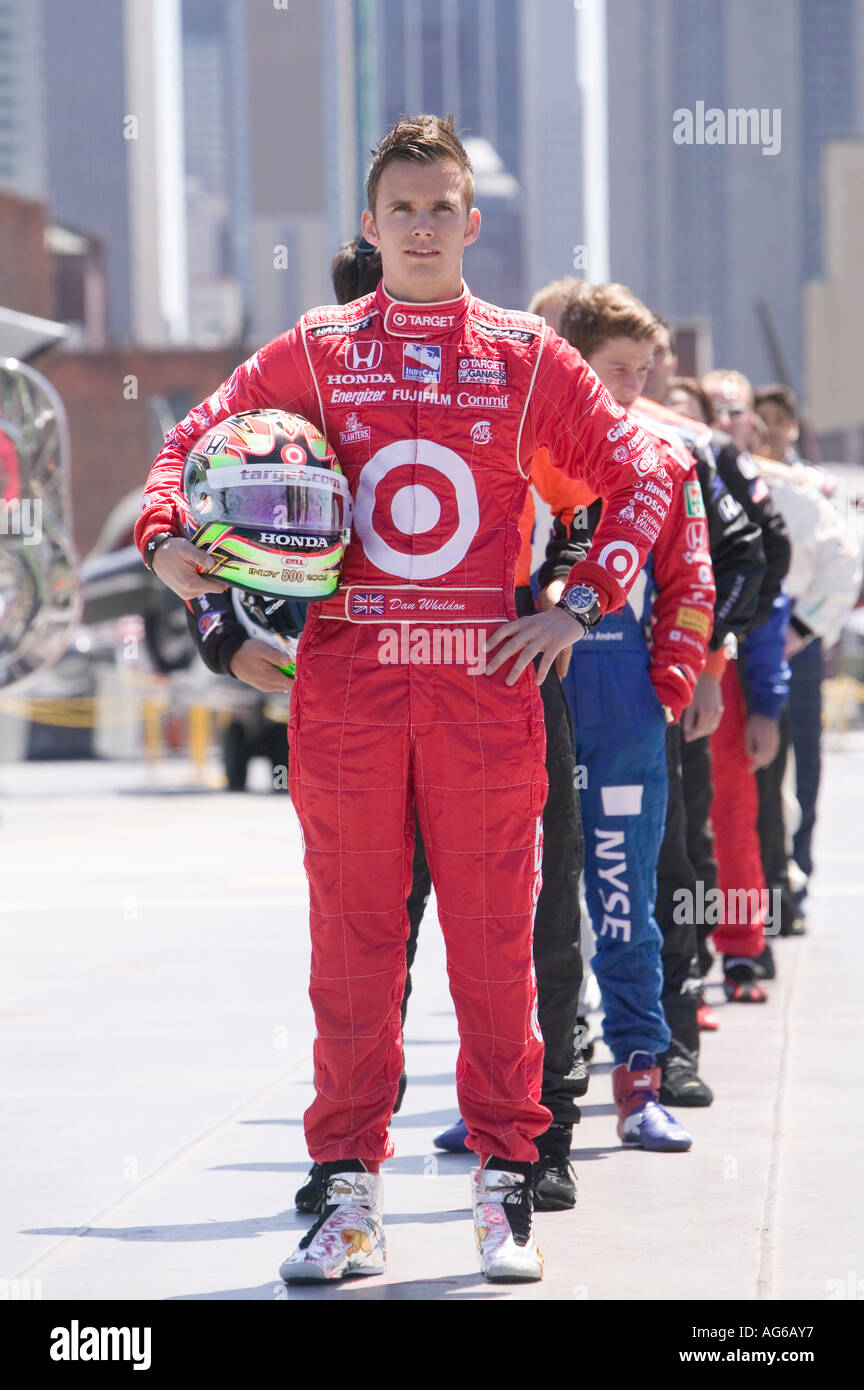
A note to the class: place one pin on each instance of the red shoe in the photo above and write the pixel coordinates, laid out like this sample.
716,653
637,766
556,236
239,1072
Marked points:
707,1019
741,983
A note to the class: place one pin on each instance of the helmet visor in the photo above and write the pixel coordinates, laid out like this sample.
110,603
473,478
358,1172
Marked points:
308,501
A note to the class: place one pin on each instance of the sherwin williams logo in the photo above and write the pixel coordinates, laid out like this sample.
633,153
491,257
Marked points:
421,363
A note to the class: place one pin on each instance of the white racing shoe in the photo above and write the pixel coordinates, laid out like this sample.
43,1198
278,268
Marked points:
348,1237
503,1204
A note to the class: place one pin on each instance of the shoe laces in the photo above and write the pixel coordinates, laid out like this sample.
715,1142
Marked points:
517,1205
518,1208
326,1213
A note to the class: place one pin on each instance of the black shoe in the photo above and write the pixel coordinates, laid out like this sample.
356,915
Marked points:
400,1093
792,917
310,1197
706,958
793,925
740,981
763,965
553,1178
680,1083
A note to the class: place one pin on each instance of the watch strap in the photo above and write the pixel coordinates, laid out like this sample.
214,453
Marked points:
153,545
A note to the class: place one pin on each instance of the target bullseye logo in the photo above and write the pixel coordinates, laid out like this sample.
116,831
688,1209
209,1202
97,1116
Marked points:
416,509
620,558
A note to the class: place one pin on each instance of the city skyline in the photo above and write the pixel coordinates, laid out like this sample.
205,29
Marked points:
219,217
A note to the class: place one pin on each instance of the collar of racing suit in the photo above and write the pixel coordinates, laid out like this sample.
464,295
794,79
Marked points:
438,320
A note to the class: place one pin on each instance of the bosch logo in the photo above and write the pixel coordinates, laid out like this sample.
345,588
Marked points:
363,356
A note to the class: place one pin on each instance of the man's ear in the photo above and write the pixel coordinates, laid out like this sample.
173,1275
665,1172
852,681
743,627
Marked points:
472,230
367,227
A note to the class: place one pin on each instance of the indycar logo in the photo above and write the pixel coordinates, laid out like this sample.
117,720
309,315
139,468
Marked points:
421,362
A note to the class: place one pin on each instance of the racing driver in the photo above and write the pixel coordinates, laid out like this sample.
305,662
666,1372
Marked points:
435,404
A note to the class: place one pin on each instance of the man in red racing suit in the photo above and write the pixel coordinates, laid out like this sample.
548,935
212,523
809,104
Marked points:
435,411
439,473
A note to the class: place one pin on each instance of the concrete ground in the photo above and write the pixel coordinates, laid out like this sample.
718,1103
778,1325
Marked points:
156,1042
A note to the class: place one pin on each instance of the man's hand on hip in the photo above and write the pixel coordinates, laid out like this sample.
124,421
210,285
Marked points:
543,634
184,568
546,599
762,737
259,666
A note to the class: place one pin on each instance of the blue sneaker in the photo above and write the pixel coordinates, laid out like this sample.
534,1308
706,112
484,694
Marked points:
452,1140
642,1120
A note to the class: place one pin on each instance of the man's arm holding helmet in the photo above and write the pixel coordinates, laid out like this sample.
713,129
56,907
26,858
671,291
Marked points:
227,649
277,375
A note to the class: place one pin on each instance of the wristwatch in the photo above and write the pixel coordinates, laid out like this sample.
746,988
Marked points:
153,545
582,602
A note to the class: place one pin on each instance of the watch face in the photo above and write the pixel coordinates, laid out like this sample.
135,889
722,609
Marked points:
580,598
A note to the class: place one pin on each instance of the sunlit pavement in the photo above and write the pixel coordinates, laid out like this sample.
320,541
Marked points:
157,1062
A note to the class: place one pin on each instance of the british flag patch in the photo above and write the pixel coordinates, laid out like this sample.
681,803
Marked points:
370,605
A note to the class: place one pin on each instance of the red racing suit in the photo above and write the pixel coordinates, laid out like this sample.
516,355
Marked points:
679,605
434,412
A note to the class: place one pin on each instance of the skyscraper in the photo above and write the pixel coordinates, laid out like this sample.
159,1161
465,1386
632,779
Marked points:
114,145
724,231
22,94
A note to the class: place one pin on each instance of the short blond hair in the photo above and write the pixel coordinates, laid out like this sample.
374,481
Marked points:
715,383
593,314
556,289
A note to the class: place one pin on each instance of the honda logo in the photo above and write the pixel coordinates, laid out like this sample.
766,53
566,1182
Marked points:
363,356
